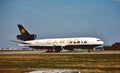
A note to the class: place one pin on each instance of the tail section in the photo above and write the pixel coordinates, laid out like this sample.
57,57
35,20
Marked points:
22,30
25,35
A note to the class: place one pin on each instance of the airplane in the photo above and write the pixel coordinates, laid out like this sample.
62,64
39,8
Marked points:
56,44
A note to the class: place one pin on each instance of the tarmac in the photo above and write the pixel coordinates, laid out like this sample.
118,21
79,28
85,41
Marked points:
41,52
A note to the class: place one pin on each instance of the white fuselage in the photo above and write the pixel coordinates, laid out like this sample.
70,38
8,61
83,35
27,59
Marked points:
78,41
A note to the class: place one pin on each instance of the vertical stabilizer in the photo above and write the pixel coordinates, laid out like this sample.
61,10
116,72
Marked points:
22,30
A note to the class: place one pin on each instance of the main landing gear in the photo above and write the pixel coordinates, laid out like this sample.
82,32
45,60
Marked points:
55,49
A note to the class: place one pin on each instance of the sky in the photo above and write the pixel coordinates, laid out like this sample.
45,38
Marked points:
59,19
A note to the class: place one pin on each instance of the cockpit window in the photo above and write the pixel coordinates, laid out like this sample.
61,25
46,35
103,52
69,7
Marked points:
98,40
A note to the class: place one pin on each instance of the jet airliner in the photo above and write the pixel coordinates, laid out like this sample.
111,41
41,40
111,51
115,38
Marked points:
56,44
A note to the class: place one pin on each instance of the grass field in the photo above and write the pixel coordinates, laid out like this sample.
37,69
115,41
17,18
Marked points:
86,63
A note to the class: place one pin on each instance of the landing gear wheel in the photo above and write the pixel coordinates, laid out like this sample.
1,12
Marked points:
57,50
50,50
89,50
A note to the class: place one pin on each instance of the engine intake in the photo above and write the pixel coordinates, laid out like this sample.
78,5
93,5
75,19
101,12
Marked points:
27,37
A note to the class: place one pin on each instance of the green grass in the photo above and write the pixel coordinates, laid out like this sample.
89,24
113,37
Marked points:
86,63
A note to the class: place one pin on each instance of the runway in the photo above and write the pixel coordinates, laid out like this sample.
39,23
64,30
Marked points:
41,52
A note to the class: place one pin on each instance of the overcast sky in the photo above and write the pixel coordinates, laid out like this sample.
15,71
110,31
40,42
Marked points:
60,18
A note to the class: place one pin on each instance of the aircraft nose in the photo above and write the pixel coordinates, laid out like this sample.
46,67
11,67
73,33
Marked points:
101,42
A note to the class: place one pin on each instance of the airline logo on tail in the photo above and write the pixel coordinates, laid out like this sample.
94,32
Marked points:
23,31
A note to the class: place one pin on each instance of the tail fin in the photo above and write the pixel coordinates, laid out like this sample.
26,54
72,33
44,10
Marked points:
22,30
25,35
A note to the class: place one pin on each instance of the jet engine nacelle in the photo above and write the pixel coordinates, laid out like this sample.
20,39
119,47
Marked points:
27,37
